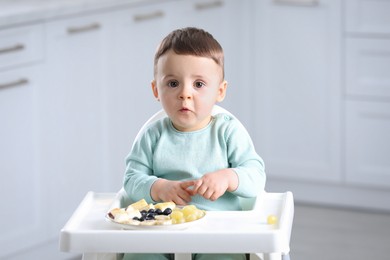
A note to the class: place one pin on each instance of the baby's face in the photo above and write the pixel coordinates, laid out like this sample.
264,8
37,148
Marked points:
188,87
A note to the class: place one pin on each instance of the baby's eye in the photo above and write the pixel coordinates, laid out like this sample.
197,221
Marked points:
199,84
173,83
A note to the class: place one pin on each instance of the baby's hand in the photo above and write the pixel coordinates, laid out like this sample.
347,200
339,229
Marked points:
165,190
212,185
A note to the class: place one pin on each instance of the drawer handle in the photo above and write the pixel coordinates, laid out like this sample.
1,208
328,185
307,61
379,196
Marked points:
298,2
208,5
16,47
374,115
85,28
150,16
15,83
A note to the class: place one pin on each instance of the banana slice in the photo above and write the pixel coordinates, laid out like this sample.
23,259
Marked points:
165,205
163,220
122,218
130,208
147,207
162,217
139,204
117,211
134,213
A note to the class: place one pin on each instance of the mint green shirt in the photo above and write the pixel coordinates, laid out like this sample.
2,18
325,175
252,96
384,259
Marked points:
164,152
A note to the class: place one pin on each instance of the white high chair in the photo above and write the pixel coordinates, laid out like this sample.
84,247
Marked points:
246,203
88,233
161,114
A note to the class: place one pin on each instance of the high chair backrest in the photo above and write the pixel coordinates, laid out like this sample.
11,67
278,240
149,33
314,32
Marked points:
246,203
161,114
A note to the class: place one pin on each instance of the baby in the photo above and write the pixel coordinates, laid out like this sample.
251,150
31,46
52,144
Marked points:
192,156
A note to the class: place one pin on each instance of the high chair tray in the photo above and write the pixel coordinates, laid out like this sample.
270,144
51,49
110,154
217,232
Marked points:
88,231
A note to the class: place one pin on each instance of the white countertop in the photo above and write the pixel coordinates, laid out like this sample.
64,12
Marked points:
19,12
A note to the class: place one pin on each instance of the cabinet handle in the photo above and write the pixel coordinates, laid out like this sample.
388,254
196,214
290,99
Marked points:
375,115
298,2
149,16
15,83
16,47
208,5
85,28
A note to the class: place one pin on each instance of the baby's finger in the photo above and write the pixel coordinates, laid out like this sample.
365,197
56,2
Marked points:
179,201
186,184
184,198
197,185
201,190
187,187
190,187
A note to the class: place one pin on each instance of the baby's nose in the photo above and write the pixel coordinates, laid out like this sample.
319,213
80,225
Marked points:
185,93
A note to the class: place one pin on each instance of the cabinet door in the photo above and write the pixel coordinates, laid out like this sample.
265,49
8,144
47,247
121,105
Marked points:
22,192
367,67
298,89
71,113
130,102
367,148
367,17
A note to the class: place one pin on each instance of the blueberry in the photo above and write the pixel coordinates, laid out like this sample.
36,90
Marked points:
151,211
158,212
167,211
150,216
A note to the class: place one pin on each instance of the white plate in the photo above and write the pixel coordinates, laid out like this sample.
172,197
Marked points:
155,227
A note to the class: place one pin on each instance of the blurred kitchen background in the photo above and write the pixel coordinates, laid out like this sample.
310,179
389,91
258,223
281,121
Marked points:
310,79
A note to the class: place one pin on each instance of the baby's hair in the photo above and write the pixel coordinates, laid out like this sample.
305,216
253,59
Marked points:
191,41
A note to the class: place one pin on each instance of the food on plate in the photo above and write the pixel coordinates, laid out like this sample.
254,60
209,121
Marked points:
164,213
165,205
186,214
138,205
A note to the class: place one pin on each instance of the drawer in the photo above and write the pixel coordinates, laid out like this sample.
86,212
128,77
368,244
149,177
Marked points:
20,46
367,147
14,79
367,16
367,69
77,27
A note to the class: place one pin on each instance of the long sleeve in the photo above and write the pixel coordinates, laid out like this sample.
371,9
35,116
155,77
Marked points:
244,160
139,175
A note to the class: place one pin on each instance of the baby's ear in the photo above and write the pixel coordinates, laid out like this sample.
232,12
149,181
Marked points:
222,91
153,84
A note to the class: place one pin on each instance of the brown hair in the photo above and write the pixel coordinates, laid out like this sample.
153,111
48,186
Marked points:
191,41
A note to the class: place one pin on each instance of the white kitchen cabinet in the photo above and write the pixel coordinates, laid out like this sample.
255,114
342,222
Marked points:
23,195
298,90
21,46
367,100
21,191
367,67
130,102
72,117
367,17
367,135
